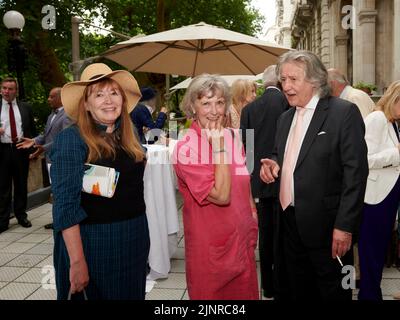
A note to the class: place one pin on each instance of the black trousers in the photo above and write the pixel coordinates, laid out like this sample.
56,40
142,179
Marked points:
266,213
311,273
14,168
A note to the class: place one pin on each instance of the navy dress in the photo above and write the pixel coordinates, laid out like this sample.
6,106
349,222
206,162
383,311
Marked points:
114,231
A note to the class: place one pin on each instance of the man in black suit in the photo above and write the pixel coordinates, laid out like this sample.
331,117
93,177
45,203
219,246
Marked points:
261,116
56,122
16,122
320,156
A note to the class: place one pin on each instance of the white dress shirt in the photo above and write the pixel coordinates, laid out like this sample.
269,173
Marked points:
149,108
55,113
5,121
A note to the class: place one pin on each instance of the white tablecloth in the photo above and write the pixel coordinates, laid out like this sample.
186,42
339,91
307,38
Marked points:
161,210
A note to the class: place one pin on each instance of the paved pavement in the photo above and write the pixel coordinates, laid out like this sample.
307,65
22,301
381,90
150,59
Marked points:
26,271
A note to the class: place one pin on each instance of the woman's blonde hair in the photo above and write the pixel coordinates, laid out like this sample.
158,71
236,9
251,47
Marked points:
387,102
98,146
240,90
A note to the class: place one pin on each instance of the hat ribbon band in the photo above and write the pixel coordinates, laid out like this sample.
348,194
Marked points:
96,76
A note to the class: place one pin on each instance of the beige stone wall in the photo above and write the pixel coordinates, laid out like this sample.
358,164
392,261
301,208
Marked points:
325,33
375,44
384,43
35,177
396,40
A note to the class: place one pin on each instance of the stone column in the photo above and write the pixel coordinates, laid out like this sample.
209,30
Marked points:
313,35
35,176
341,47
365,60
286,33
325,34
396,40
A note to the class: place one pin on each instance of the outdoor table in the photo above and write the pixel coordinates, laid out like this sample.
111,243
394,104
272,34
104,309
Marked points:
161,210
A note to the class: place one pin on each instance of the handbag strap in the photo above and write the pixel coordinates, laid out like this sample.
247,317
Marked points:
70,295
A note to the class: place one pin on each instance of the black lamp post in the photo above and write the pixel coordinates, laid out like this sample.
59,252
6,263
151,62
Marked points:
15,21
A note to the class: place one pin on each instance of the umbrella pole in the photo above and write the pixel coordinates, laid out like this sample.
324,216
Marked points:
167,83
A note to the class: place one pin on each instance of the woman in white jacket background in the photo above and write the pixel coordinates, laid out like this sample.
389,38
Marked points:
383,191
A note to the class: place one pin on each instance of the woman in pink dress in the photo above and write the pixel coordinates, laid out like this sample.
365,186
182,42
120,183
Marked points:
219,215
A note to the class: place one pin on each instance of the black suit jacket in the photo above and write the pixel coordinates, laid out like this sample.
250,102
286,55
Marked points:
262,116
28,124
331,170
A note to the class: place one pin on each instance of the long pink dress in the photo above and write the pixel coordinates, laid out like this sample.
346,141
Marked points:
219,240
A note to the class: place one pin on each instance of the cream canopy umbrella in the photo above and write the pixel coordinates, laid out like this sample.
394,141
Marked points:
196,49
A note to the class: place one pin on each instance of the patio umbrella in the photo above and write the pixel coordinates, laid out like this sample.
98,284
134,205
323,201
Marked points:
195,49
229,79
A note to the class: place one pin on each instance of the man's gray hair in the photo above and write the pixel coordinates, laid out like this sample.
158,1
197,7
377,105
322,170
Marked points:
336,75
315,71
199,87
270,77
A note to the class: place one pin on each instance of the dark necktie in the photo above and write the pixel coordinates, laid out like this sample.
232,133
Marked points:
13,126
396,130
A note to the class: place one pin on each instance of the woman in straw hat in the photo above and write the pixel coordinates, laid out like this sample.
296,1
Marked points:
101,244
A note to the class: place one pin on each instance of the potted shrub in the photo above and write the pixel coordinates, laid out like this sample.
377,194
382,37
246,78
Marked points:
366,87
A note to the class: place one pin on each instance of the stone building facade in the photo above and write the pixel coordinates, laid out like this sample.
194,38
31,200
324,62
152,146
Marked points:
359,37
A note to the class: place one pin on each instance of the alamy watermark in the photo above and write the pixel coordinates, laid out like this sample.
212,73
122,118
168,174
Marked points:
195,149
349,280
349,20
49,20
48,279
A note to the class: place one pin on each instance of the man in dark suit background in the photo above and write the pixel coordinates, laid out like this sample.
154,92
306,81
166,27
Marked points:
16,122
261,116
56,122
141,115
321,149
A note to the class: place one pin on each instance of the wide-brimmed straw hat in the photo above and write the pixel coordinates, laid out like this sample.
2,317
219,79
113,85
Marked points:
72,92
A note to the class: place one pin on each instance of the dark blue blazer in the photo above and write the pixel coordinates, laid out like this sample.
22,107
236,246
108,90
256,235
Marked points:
141,117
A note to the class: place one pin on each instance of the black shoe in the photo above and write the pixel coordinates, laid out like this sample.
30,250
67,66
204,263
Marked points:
268,294
48,226
2,229
25,223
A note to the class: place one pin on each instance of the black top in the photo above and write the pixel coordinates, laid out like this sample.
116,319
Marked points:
396,130
261,115
128,200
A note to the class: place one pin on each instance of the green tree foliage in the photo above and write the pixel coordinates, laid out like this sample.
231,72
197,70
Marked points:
140,16
49,51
